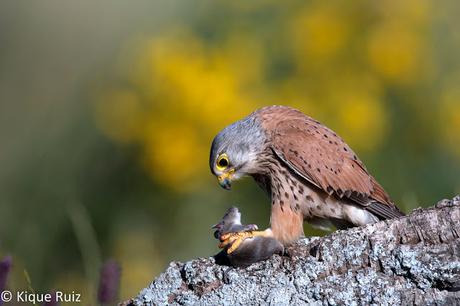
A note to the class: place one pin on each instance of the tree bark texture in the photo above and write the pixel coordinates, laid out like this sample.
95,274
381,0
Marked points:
413,260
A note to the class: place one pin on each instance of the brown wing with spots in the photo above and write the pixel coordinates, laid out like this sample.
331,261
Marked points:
321,157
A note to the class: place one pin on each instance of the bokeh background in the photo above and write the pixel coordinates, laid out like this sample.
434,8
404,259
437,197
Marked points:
108,109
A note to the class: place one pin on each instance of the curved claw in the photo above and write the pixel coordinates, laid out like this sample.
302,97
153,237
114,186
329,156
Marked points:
232,241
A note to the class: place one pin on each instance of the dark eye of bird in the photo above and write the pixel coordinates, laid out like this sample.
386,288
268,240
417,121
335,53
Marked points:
223,162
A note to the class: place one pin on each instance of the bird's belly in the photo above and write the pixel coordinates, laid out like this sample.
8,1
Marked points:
321,206
294,200
318,204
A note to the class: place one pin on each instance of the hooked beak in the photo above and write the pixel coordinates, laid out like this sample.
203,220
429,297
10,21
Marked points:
225,179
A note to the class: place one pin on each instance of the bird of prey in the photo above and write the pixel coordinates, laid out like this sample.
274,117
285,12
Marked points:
307,170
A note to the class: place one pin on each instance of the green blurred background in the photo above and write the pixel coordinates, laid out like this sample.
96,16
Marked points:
108,108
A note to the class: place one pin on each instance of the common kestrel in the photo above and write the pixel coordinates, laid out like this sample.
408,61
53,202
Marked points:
306,169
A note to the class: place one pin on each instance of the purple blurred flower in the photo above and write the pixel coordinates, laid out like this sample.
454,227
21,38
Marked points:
5,267
109,282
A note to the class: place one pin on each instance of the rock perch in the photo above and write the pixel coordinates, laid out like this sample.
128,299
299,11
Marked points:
413,260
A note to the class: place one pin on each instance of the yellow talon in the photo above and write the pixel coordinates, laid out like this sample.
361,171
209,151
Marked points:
232,241
238,241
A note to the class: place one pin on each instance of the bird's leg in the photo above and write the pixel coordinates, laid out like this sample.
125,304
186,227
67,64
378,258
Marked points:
232,241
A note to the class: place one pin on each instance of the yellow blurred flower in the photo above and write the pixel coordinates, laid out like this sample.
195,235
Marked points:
319,32
174,153
394,52
184,88
363,120
189,92
414,12
360,115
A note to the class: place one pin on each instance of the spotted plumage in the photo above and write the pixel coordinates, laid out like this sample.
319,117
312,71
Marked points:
308,171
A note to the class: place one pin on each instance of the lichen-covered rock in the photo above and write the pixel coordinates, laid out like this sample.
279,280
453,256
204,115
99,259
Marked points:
413,260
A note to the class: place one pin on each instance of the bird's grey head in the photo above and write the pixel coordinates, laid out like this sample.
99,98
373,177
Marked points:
235,149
